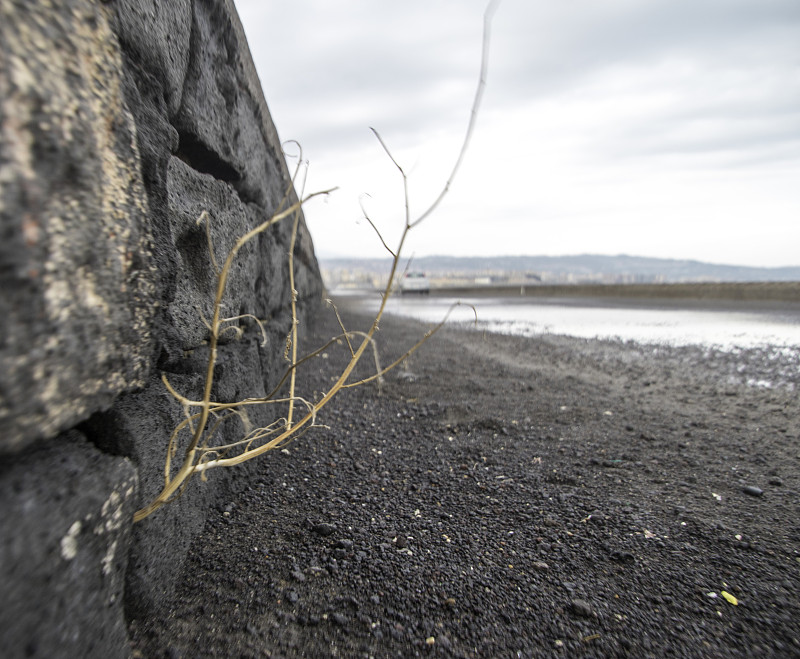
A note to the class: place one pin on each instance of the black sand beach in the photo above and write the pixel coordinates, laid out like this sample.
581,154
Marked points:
510,497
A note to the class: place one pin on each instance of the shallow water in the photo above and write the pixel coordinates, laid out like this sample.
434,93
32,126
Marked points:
759,347
723,328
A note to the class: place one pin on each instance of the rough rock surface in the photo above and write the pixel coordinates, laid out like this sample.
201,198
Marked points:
120,124
77,274
66,529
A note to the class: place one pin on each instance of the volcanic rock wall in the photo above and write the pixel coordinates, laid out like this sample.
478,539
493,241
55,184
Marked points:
120,123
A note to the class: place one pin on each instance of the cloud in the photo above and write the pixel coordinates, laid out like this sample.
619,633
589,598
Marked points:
597,114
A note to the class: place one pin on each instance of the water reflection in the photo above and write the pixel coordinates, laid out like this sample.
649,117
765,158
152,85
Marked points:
720,328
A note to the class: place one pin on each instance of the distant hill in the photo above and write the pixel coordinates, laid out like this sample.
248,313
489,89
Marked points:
583,267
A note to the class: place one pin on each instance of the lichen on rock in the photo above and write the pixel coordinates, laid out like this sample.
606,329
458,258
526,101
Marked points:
78,277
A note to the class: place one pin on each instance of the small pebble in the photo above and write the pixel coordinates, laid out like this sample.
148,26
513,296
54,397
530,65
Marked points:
623,556
323,529
752,490
581,608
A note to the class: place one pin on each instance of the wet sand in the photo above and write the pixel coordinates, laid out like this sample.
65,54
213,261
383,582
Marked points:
757,293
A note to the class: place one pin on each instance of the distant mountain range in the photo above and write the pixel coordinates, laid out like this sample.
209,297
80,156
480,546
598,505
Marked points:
583,267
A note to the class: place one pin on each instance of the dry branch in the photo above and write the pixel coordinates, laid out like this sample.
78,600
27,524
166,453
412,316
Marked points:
200,454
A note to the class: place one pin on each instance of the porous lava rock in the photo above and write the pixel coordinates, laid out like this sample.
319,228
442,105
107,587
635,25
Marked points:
121,123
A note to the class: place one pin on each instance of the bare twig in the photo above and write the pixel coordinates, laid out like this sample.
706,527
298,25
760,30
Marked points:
199,455
372,224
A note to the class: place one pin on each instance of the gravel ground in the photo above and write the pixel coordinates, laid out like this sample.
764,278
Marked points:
510,497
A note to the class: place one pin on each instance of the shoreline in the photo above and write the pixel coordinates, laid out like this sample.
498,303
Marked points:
734,292
724,324
508,496
767,295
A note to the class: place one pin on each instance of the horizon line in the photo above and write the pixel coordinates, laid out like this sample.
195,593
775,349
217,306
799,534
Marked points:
558,256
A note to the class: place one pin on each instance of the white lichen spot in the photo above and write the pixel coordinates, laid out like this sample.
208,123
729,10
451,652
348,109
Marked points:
108,559
69,543
73,92
112,512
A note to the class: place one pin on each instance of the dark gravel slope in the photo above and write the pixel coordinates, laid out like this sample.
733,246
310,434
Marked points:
507,497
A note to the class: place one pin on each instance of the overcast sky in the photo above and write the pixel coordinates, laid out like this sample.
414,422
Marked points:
667,128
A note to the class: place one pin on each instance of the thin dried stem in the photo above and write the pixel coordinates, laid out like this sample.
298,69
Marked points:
199,457
188,467
372,224
293,292
341,324
375,356
473,116
381,372
258,322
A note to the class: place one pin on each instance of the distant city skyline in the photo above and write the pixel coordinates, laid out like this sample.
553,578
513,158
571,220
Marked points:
659,128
